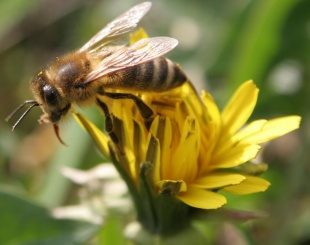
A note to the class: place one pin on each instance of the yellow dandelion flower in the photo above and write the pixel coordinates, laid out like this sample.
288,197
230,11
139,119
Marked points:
189,153
193,148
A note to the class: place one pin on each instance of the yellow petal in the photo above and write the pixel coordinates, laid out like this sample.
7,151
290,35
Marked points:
194,101
239,108
154,126
161,130
199,198
127,158
100,139
139,142
274,129
153,155
218,180
250,185
253,127
180,114
186,155
164,135
137,35
130,165
211,107
235,156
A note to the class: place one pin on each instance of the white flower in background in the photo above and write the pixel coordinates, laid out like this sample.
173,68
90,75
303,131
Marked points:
102,191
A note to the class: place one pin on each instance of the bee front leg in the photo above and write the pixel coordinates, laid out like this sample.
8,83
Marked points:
145,111
108,121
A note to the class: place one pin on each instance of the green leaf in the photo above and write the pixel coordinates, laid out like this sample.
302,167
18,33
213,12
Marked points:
112,232
23,222
259,39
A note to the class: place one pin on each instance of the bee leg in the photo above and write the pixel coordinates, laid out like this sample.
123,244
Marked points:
145,111
108,121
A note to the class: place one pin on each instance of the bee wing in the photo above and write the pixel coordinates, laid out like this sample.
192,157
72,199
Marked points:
144,50
121,25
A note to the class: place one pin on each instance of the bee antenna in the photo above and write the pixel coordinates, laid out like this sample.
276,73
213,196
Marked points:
33,104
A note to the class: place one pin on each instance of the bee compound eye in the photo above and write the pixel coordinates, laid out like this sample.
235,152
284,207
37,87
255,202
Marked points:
51,96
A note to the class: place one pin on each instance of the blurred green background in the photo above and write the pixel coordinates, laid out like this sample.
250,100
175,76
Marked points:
222,44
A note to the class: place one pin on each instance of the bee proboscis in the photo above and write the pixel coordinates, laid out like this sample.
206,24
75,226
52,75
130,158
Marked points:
81,77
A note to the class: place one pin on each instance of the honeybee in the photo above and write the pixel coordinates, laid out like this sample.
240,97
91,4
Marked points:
81,77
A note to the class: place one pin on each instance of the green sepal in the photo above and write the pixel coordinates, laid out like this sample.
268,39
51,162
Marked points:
147,215
173,215
128,180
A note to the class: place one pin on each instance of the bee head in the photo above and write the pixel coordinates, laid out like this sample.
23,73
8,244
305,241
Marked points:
49,99
53,104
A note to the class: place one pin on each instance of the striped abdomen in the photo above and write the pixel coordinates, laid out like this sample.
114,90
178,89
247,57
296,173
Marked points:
157,75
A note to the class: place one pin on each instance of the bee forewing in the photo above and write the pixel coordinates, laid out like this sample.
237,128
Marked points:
140,52
150,48
121,25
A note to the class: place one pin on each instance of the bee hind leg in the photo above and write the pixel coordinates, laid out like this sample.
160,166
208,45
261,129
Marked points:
145,111
108,121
